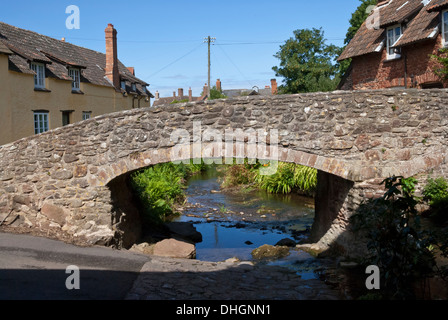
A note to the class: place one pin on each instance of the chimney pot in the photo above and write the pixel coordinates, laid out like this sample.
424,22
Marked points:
218,85
157,95
190,95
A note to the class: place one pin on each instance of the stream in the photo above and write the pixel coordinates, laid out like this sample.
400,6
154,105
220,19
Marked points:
233,223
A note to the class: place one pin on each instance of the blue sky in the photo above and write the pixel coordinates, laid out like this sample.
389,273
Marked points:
163,40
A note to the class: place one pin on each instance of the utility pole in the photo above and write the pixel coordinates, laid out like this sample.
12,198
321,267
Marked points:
209,40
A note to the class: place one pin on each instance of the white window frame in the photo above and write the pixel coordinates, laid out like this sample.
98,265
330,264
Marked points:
395,39
41,122
445,28
39,77
75,74
86,115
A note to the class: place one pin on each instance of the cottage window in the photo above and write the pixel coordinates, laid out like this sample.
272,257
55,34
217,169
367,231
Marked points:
123,85
40,122
86,115
75,74
39,77
134,88
445,28
66,118
393,35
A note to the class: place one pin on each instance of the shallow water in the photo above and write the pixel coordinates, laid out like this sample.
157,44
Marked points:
233,224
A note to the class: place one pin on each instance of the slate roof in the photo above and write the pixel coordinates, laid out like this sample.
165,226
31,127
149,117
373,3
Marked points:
57,55
421,24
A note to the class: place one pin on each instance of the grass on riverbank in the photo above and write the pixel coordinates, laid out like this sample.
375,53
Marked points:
288,178
160,187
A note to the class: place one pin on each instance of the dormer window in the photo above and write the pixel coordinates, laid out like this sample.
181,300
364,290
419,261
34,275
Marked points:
394,34
123,85
134,88
39,77
445,28
75,74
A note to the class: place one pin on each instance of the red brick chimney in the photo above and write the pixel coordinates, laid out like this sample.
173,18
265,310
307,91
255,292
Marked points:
112,56
218,85
274,88
190,95
180,92
132,70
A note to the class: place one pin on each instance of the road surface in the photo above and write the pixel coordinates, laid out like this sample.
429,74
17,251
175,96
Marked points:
34,268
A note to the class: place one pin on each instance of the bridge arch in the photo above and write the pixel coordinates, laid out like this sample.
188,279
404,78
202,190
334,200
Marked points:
62,179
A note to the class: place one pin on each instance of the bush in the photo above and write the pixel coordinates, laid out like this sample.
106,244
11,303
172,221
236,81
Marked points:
395,241
239,174
436,194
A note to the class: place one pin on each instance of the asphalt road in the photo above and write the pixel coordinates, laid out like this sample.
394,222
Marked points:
34,268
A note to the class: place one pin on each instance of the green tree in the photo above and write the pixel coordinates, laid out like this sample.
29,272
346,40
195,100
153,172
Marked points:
216,94
307,63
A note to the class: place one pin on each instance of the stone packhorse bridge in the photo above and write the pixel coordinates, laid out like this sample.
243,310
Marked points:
74,179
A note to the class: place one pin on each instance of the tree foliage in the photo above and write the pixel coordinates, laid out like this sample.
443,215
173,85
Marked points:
441,68
307,63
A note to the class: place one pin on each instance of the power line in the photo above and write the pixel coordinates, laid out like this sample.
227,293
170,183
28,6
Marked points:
175,61
236,67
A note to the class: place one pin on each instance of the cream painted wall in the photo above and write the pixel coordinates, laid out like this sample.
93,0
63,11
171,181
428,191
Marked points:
5,110
18,100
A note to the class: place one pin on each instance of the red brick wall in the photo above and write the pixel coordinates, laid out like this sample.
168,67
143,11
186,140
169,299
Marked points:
373,71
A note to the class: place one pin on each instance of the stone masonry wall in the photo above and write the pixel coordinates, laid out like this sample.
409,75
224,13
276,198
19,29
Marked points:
61,180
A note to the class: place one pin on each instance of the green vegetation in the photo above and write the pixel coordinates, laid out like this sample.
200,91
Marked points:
160,187
307,63
180,101
288,178
396,242
216,94
436,194
441,69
